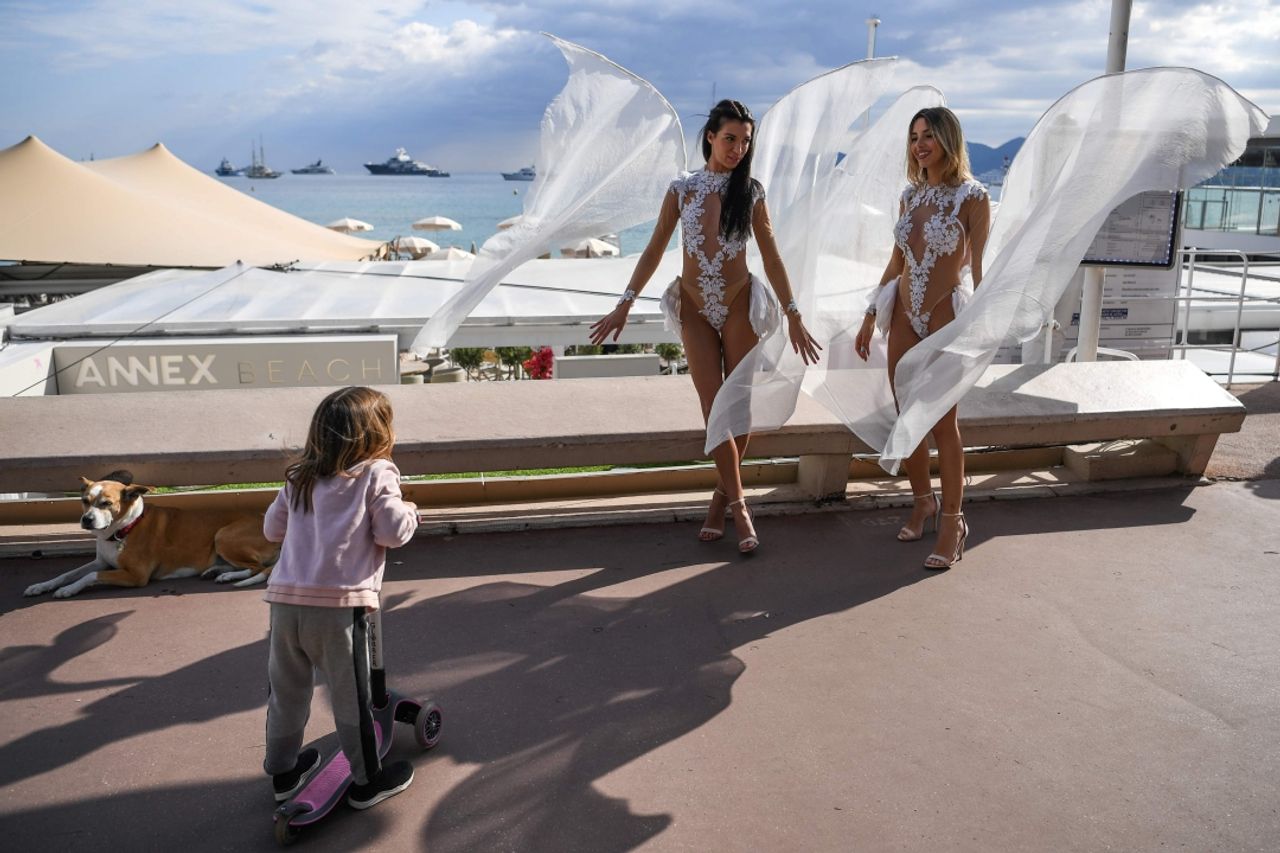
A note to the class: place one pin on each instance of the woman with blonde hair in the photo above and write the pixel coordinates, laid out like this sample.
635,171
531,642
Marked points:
944,217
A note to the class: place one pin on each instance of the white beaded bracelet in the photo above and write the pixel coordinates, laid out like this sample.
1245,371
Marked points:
792,308
627,296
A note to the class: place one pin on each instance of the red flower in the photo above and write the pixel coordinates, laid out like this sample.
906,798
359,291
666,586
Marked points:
538,365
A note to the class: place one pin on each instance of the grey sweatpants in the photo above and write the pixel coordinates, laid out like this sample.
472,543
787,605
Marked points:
334,640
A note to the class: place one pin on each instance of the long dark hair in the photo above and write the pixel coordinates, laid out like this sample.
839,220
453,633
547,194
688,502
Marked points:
350,426
735,204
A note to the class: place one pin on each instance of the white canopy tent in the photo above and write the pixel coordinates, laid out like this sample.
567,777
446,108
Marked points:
147,209
552,302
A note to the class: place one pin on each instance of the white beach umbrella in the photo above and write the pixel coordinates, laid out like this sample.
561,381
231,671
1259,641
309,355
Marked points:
417,247
508,222
436,223
347,225
451,253
592,247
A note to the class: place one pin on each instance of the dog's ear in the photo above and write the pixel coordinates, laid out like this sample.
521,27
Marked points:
85,483
132,493
123,477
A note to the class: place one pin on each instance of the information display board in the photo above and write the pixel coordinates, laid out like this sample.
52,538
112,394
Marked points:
1141,232
1139,312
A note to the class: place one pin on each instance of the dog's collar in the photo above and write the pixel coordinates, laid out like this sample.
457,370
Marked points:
119,535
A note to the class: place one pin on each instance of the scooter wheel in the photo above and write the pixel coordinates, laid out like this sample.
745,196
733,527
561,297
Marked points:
286,832
428,725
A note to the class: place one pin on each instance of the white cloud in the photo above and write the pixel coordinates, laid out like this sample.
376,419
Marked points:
100,32
450,52
1229,38
468,69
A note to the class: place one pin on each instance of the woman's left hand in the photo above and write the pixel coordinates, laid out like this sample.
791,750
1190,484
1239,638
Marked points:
801,341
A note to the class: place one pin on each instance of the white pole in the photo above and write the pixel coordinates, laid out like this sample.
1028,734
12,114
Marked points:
1118,41
1090,314
1091,296
872,23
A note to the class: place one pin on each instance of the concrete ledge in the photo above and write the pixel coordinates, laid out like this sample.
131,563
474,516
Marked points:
217,437
50,540
1117,460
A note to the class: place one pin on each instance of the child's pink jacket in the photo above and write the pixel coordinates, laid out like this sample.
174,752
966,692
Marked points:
334,555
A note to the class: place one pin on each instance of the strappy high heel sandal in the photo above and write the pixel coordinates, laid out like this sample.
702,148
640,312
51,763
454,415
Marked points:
751,541
711,534
937,561
906,534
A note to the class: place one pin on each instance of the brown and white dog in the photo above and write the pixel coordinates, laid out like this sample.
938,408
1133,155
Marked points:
137,543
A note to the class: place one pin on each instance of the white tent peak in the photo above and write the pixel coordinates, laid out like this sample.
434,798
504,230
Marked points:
147,209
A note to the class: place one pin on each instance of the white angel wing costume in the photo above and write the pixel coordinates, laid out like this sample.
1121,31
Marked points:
1099,145
797,146
610,145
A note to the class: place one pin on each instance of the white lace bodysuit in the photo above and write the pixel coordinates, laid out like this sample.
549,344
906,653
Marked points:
698,196
929,230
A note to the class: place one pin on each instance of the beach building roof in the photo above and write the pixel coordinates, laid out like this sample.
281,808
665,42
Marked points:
147,209
543,302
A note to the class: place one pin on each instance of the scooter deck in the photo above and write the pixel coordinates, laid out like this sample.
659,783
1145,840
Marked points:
328,787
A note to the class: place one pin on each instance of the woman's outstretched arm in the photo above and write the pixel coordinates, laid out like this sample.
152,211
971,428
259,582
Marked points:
762,227
893,269
615,320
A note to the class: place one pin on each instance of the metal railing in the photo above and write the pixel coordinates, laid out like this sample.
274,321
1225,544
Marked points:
1185,296
1187,261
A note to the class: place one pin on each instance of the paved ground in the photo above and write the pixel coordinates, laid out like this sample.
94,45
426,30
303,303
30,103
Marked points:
1254,452
1098,673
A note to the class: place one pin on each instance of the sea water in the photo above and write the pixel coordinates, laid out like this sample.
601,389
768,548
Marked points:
391,203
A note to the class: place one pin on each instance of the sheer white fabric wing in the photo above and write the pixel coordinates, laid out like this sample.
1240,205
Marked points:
610,146
852,240
1102,143
797,145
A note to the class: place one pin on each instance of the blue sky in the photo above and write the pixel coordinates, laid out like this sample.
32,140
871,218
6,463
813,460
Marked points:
463,84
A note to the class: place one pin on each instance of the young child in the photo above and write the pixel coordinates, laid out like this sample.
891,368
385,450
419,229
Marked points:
339,511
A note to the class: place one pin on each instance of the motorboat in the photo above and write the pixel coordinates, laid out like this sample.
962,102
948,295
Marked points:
401,163
316,168
226,170
528,173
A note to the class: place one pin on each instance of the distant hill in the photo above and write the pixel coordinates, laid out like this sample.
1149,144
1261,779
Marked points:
984,158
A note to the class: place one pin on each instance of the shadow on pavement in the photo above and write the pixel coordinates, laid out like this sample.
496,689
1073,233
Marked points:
549,686
200,816
24,670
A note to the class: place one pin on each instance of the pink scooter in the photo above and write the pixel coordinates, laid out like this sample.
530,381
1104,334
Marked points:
329,786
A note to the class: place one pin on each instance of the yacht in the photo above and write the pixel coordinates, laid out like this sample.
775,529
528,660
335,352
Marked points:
526,174
316,168
226,170
401,163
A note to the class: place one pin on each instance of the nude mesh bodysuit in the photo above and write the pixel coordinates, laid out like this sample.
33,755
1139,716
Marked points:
715,269
930,234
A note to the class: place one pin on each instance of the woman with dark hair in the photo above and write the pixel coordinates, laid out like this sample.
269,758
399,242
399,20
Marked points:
720,308
944,217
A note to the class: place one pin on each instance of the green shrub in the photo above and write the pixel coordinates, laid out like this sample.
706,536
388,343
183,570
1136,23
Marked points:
468,358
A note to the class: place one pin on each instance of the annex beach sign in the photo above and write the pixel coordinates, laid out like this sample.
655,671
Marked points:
218,363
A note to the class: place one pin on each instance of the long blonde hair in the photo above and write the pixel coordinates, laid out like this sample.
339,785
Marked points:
947,132
350,426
